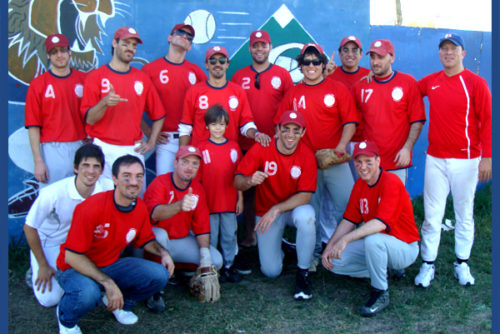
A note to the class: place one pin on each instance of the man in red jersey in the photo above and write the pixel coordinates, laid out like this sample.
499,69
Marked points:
392,109
388,239
217,90
52,114
459,154
172,75
284,174
115,98
330,115
89,261
265,85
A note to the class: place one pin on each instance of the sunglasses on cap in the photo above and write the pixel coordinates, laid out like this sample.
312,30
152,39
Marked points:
186,34
315,62
221,60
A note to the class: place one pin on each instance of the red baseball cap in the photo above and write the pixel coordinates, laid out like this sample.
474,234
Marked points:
56,40
351,38
311,45
292,116
126,33
187,150
365,147
382,47
214,50
259,36
181,26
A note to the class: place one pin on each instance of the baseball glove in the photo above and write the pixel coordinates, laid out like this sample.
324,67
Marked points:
204,285
326,158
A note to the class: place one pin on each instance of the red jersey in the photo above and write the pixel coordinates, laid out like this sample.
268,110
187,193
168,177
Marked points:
100,231
275,81
171,82
459,115
326,107
53,104
349,79
162,190
287,174
120,125
217,174
387,201
202,96
389,107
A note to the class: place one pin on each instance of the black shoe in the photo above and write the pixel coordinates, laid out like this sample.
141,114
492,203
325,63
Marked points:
229,275
241,266
302,285
379,300
397,274
155,303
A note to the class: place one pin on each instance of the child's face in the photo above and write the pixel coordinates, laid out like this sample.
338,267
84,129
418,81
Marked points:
217,129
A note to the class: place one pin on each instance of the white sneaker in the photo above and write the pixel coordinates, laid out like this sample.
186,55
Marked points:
122,316
65,330
462,273
425,276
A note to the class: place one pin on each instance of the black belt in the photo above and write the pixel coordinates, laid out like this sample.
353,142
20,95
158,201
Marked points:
176,136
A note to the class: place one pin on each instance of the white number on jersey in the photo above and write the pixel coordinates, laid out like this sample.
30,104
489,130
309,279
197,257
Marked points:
172,195
302,102
271,168
365,94
363,206
49,92
163,76
245,83
105,86
206,156
203,102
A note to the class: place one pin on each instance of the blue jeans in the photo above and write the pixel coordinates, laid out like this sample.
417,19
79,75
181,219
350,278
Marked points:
138,279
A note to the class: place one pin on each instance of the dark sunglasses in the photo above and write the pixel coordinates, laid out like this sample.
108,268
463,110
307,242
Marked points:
256,83
221,60
183,33
315,62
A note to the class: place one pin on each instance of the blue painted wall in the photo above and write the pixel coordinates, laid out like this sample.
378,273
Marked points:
325,22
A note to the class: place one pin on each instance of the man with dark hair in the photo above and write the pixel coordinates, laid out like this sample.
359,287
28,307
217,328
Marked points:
388,239
49,219
330,115
458,156
89,261
265,85
115,98
52,114
172,75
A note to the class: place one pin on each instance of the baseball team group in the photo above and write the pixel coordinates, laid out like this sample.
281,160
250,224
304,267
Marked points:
328,156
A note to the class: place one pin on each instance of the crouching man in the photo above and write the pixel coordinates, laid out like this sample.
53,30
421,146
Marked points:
388,239
89,261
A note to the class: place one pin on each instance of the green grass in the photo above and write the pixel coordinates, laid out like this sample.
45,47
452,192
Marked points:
261,305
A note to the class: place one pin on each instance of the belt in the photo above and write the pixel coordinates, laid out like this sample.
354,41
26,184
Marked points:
176,136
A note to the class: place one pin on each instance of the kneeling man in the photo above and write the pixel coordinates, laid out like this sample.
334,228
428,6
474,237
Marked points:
387,239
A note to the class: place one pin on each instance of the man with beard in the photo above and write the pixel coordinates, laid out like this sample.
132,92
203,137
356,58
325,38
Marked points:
284,174
89,261
392,110
177,205
115,97
265,85
217,90
52,114
172,75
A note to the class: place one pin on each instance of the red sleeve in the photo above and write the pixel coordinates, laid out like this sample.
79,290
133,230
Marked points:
91,93
154,106
154,195
287,82
352,211
189,104
422,85
309,180
32,108
389,207
482,107
145,231
82,228
250,162
201,216
200,75
416,109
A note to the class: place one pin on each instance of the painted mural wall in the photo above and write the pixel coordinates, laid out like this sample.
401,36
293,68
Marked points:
90,25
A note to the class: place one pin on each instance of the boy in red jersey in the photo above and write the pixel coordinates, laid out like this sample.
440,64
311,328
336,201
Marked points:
284,174
52,114
220,156
388,239
459,155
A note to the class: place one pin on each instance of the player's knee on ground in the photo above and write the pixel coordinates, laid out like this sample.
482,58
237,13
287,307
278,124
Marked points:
49,299
271,270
